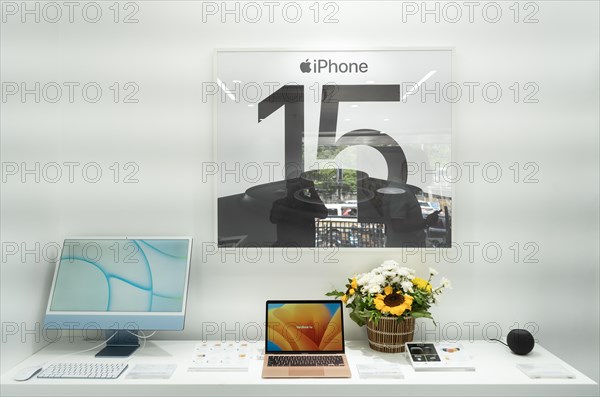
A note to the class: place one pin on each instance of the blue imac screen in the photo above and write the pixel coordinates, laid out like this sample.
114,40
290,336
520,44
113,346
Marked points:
121,275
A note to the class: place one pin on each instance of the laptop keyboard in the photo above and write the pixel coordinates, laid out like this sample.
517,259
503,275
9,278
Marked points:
305,361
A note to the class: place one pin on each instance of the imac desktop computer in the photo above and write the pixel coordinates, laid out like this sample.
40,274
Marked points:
120,286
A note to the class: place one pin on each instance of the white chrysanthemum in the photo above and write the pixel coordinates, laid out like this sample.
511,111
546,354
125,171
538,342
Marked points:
395,280
374,289
407,286
433,272
389,264
378,279
403,271
445,283
363,278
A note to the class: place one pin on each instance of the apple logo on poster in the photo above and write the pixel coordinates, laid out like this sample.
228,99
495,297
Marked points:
305,66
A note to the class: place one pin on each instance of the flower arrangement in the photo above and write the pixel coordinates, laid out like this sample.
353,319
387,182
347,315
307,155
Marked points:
390,290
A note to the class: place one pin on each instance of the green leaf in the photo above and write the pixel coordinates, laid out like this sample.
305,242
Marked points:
375,316
335,293
357,319
421,315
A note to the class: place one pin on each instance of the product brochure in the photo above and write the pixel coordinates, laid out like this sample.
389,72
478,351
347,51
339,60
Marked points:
439,356
222,356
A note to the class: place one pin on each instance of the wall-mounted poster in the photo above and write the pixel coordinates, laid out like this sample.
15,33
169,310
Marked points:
334,148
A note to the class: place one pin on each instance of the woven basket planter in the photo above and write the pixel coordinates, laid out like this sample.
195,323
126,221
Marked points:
390,335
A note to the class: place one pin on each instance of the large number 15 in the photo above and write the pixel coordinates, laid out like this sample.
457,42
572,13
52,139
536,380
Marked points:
292,98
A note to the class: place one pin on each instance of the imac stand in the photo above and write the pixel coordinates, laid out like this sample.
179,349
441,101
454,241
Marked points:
123,344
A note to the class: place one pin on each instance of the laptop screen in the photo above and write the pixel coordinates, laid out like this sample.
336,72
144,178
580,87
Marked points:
304,327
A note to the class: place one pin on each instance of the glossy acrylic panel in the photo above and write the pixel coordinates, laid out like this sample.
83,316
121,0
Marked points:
334,148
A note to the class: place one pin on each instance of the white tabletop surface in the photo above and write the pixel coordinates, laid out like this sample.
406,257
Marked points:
496,374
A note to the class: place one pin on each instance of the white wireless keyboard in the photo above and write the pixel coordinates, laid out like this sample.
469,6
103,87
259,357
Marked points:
104,370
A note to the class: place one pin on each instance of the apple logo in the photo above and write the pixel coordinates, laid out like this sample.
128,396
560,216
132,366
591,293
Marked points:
305,67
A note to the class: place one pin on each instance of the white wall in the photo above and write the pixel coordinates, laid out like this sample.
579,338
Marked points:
169,134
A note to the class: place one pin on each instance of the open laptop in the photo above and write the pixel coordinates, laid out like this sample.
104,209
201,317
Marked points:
305,339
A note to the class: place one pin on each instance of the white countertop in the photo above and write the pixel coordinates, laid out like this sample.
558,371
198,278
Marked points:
496,374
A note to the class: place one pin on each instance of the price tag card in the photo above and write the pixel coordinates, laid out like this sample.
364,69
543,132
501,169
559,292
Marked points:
546,371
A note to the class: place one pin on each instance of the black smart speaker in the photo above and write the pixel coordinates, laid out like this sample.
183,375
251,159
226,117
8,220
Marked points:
520,341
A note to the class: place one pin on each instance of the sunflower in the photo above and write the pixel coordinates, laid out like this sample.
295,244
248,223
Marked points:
393,302
422,284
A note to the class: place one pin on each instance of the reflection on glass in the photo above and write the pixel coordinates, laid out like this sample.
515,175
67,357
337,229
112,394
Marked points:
334,207
295,214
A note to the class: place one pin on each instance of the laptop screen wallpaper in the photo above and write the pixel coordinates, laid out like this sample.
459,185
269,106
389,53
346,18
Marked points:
309,327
